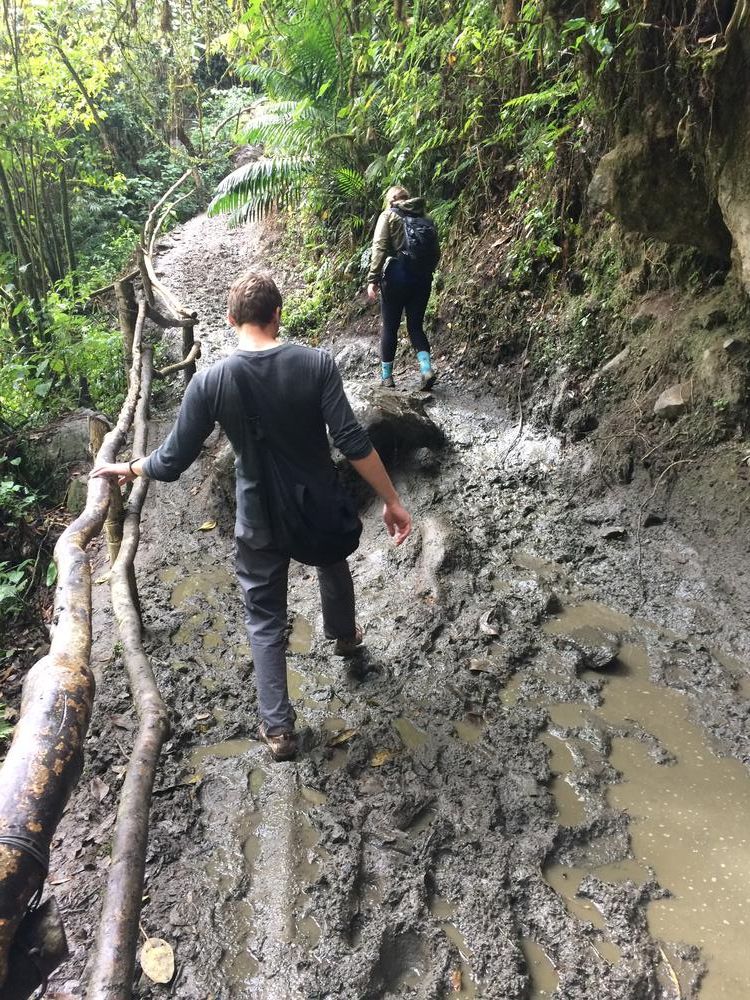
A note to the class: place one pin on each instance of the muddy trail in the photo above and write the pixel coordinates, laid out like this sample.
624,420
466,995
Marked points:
533,783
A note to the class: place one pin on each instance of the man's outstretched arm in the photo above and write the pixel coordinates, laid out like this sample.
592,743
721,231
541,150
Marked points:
180,449
397,518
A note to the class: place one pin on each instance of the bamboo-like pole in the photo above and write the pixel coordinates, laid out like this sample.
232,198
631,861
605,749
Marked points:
114,960
188,345
127,312
45,758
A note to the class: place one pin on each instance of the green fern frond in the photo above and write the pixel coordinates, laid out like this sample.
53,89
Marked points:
351,183
253,190
542,98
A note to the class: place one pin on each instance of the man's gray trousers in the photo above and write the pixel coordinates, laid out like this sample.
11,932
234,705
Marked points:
263,576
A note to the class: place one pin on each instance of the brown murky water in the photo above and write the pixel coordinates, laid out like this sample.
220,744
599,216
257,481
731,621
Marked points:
412,737
544,978
444,912
689,819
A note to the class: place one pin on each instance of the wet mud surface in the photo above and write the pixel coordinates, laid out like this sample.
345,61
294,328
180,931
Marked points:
532,783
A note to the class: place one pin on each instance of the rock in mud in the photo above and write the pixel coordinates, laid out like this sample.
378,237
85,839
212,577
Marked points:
674,400
598,648
356,357
652,188
397,422
75,498
612,532
65,442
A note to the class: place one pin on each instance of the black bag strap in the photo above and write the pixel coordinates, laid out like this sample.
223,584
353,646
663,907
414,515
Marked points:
246,400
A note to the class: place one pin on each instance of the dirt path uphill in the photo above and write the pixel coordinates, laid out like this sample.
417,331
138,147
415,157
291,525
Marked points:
533,783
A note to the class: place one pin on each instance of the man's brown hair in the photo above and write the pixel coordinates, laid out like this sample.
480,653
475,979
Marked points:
253,298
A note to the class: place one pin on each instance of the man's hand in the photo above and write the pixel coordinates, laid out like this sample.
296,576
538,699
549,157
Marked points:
397,521
116,470
372,292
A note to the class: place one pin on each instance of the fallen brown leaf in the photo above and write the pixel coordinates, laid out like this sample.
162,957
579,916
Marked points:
157,960
343,737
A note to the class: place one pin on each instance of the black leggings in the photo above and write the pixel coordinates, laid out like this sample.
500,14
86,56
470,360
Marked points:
403,292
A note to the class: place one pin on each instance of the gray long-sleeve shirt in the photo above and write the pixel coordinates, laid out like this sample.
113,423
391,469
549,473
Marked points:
296,392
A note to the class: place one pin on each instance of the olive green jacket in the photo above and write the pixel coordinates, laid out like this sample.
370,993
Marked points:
389,236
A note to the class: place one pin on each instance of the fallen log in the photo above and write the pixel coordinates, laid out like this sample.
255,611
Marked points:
114,959
162,219
45,758
148,276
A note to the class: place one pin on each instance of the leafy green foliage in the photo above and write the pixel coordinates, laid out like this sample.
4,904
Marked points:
14,585
451,102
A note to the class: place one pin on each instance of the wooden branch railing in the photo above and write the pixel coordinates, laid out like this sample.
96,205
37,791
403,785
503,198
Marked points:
45,758
114,960
174,314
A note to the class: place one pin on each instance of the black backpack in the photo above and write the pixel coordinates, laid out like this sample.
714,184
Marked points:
312,520
421,249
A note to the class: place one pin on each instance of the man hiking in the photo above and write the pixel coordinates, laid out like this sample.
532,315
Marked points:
405,252
293,392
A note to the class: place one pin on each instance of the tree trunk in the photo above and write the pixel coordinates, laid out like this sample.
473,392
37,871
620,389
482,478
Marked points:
26,261
87,98
511,10
67,230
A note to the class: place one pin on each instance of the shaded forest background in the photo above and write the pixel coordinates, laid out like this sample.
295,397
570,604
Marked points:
580,159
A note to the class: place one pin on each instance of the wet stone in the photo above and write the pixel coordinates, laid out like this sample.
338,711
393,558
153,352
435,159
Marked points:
598,647
613,532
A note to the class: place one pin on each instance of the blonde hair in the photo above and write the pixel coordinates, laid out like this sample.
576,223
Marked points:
396,193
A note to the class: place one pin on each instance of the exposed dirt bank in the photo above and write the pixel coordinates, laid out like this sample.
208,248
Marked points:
497,798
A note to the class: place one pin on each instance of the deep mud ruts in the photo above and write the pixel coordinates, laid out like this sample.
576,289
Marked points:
485,799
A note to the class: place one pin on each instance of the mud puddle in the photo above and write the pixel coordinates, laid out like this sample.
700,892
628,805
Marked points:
688,807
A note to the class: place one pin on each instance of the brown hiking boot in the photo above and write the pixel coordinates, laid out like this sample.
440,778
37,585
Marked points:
283,746
388,383
349,647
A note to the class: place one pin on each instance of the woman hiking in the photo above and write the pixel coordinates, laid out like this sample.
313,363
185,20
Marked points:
405,252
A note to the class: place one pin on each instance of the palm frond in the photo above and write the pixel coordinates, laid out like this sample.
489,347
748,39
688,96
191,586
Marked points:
290,128
253,190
